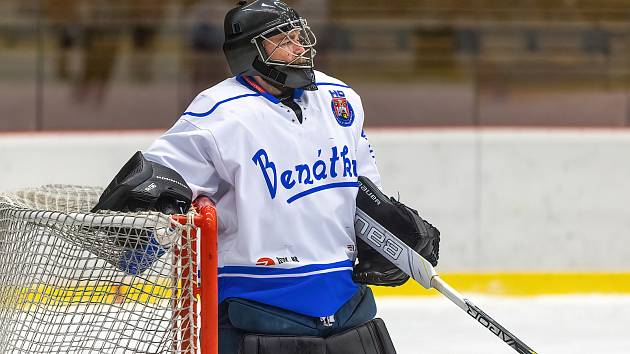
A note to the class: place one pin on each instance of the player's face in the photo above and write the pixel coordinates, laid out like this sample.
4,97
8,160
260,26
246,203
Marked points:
285,48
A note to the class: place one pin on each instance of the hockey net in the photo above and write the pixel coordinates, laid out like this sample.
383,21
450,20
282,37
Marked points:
72,281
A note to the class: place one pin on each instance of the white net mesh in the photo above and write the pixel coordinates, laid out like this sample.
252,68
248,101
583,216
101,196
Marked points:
72,281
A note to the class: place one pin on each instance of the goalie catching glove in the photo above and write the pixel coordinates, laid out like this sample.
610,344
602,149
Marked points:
401,221
142,185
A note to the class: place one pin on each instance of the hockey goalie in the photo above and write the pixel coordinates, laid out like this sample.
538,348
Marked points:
278,148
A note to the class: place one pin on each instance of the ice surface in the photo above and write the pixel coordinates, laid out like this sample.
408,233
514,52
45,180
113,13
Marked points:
594,324
550,324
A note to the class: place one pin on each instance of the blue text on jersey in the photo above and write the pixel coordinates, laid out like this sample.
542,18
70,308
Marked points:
317,173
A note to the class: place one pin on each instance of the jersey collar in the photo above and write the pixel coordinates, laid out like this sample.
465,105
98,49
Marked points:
253,85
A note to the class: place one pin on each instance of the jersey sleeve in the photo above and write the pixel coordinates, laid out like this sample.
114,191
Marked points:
188,150
366,158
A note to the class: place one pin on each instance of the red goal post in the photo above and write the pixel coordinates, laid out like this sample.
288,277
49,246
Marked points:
207,263
72,281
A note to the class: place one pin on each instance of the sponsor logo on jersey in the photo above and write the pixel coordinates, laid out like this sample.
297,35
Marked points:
311,177
267,262
292,259
264,261
342,109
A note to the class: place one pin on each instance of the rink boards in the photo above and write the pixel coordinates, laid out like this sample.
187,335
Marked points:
521,211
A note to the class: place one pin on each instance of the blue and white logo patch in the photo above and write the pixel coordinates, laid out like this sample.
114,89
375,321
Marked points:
342,109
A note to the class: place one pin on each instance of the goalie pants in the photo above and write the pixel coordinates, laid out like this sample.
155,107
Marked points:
238,317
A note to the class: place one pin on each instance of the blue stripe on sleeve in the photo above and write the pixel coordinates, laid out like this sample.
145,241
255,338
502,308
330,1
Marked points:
269,97
218,104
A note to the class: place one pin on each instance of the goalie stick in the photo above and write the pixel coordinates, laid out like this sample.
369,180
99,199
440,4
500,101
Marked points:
410,262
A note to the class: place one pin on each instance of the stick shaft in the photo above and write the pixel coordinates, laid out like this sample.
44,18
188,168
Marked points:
481,317
418,268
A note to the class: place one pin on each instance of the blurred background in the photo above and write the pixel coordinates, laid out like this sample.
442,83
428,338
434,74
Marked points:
504,122
493,106
136,64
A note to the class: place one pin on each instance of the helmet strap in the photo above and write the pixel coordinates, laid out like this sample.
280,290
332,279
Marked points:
269,73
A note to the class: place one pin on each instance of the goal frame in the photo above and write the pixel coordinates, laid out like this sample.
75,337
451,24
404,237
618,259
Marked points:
194,259
207,289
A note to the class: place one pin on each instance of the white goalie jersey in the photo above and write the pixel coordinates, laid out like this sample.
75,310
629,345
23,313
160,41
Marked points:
284,190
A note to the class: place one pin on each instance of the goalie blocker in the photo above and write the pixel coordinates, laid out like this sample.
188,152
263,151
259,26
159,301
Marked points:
410,261
142,185
402,221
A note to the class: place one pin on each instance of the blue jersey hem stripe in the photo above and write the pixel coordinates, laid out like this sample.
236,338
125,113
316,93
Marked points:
277,271
285,276
317,295
321,188
218,104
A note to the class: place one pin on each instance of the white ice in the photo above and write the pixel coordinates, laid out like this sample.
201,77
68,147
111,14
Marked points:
597,324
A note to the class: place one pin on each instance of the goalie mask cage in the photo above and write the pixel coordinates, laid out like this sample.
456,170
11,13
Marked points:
72,281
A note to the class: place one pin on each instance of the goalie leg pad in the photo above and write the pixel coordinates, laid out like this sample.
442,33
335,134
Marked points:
263,344
370,338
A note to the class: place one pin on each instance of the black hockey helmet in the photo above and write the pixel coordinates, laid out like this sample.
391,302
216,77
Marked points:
248,26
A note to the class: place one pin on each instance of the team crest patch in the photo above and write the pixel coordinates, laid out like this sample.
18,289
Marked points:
342,110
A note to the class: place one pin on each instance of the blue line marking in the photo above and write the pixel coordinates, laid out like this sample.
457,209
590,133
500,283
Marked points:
331,84
321,188
218,104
